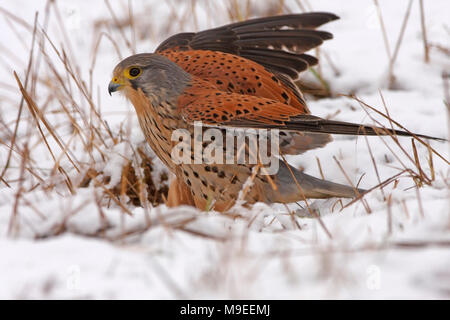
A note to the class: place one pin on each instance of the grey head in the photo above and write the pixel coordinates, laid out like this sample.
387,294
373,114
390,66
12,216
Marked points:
155,75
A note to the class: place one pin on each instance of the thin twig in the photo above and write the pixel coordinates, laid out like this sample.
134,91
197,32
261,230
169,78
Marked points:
391,77
426,48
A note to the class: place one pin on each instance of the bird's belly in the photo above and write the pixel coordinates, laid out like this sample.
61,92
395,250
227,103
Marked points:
218,186
213,185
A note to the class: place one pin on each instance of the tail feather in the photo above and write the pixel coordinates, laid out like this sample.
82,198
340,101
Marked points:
300,142
294,185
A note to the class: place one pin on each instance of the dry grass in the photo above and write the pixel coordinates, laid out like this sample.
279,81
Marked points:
64,115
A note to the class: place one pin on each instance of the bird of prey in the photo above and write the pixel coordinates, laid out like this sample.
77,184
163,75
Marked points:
237,76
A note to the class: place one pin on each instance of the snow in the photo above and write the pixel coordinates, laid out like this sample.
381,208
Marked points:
71,246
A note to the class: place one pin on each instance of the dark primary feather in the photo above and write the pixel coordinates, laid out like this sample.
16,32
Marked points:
297,41
266,40
281,61
295,21
310,20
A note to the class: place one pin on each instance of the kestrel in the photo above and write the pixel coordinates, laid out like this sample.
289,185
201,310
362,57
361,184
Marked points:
239,75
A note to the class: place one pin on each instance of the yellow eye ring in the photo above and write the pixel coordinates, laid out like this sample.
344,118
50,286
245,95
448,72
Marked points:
133,72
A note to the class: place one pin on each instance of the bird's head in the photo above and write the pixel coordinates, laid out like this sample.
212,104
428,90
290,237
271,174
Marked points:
154,74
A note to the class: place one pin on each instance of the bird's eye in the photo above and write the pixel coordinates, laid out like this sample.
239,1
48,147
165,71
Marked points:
134,72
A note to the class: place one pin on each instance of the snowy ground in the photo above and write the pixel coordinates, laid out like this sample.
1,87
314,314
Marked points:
57,245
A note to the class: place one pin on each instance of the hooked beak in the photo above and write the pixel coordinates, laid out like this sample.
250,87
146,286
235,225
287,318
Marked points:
113,87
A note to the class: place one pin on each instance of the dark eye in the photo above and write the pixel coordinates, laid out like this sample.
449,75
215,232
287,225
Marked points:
134,72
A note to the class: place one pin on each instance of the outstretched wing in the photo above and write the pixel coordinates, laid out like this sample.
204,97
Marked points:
278,42
233,55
